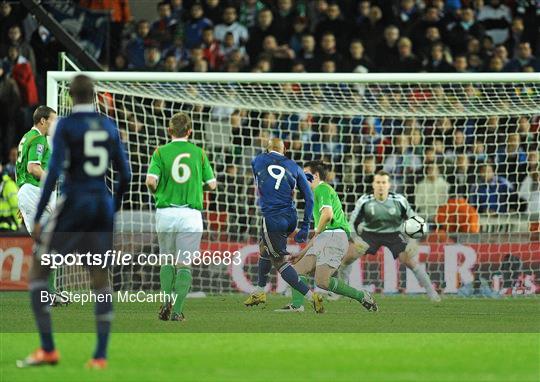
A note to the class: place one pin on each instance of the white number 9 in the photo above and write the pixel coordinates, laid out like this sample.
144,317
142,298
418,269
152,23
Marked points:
176,166
277,176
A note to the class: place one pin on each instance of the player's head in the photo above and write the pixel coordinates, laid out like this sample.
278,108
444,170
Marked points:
43,118
180,125
276,144
316,172
381,185
81,90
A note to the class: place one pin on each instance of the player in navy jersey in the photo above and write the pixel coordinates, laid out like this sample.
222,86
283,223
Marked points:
277,177
84,144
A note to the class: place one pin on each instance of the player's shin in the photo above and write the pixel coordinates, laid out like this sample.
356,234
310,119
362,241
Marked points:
40,300
424,280
289,274
340,287
264,267
104,315
182,286
297,297
166,278
52,281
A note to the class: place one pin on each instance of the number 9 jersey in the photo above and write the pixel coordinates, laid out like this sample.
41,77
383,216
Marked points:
277,177
181,169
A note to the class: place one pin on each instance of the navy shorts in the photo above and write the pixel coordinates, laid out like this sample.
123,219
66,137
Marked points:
276,229
81,224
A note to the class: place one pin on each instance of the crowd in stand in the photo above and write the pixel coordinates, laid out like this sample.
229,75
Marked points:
483,166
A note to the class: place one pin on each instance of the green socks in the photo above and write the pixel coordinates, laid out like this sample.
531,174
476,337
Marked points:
166,278
297,297
182,285
52,281
340,287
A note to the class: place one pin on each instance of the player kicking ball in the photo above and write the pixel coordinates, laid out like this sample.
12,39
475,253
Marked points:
85,143
324,252
179,173
276,178
381,216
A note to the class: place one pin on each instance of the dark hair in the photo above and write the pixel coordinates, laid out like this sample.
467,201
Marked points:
318,167
42,112
82,89
383,173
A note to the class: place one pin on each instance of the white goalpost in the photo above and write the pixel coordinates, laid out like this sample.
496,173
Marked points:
463,149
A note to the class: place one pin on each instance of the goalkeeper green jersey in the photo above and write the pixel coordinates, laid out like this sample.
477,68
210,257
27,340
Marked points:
182,169
33,148
381,216
326,196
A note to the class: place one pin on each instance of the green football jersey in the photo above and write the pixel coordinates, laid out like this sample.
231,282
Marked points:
182,169
33,148
326,196
383,217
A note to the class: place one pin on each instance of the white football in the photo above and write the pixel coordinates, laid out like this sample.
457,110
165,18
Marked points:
415,227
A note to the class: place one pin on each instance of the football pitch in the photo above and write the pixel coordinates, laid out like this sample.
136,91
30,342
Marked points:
409,339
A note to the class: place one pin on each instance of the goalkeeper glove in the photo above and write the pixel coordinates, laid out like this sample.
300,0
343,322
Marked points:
302,235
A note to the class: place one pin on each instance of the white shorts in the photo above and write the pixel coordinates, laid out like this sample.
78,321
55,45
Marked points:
179,231
330,247
29,196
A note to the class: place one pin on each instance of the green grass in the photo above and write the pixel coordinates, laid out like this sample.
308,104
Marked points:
410,339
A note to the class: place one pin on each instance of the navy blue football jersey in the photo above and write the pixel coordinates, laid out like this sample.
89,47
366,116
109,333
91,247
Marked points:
276,178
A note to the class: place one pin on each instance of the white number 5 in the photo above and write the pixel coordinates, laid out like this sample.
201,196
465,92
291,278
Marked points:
176,166
93,151
277,176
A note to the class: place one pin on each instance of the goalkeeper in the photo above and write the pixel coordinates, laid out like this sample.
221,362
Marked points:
381,216
328,246
179,173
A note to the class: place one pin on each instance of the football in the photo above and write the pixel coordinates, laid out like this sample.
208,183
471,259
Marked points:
415,227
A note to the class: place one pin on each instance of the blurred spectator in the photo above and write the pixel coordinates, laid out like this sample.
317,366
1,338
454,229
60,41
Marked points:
502,53
300,27
529,192
23,75
284,16
211,49
170,64
163,29
512,160
135,47
16,39
372,30
11,14
492,193
401,163
463,29
496,18
230,25
357,61
152,58
11,165
10,102
386,52
436,61
407,61
460,177
516,35
307,53
264,27
9,205
364,179
249,10
430,193
328,49
281,56
457,215
461,64
406,16
120,63
523,59
195,26
213,9
329,142
334,24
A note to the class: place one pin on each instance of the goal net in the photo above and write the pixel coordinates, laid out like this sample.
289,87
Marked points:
463,149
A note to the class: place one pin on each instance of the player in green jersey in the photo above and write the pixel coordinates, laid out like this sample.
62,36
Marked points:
326,249
179,173
32,162
379,217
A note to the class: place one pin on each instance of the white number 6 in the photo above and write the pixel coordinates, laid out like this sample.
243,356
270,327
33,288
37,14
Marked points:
176,166
277,176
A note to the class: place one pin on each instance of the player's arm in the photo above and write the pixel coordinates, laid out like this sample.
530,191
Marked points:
209,179
154,172
55,167
356,216
35,155
303,185
323,201
407,211
121,164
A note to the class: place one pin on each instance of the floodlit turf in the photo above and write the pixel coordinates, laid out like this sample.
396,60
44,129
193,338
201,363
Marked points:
261,351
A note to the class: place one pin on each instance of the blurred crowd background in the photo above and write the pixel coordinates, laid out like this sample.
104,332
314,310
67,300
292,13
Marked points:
478,166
